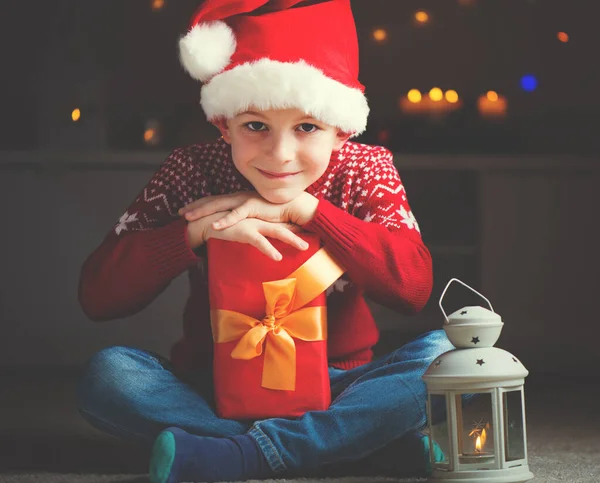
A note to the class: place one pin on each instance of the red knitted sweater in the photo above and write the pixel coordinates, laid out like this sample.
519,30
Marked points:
363,219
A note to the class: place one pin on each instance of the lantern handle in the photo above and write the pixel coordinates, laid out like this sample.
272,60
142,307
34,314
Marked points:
462,283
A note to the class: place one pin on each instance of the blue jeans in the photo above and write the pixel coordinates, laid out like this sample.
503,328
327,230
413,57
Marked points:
134,394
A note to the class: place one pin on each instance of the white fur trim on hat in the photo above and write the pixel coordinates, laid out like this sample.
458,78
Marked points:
207,49
269,84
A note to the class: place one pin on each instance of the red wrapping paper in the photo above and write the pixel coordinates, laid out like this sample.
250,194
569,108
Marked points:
236,272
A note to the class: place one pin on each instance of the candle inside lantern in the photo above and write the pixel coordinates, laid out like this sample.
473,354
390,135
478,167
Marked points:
479,455
480,441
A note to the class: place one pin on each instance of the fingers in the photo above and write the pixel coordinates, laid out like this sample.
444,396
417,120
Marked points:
195,205
213,204
260,242
207,207
251,208
237,214
284,234
255,233
293,227
279,232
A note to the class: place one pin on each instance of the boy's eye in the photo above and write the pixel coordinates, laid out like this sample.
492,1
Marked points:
256,126
308,128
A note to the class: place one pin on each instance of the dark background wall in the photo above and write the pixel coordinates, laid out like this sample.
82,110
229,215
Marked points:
509,206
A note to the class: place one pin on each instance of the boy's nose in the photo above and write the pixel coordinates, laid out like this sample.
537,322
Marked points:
283,148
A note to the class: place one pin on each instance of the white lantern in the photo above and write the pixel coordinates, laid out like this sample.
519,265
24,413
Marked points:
480,387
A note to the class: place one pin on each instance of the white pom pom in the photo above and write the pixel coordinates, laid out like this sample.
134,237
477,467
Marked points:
207,49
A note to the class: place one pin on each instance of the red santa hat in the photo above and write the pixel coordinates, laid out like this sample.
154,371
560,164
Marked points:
277,54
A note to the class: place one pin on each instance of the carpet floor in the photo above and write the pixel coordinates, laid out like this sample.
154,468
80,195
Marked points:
43,438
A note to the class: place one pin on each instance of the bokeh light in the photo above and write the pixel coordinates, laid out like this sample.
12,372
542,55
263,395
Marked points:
152,133
76,115
492,106
149,135
529,83
422,17
452,96
563,37
380,35
158,4
492,96
414,95
436,94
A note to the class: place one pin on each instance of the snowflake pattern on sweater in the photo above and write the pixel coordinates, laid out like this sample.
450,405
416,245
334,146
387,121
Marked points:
360,179
363,219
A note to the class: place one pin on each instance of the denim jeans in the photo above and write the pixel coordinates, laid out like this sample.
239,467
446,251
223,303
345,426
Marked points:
135,394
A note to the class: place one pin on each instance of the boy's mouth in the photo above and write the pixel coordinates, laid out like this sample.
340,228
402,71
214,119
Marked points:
272,175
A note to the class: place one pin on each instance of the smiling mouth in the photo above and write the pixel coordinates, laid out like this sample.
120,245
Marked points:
272,175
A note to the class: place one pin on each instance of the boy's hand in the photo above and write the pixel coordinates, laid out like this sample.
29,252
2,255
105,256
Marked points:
249,204
251,231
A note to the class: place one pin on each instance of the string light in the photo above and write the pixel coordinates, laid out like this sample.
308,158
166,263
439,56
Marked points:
436,94
380,35
435,103
529,83
414,95
149,135
452,96
492,96
158,4
492,105
76,115
422,17
152,133
563,37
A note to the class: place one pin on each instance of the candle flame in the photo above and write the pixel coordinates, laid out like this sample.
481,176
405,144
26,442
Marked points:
480,441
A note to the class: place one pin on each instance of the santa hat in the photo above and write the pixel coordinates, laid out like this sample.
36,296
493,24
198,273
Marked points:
277,54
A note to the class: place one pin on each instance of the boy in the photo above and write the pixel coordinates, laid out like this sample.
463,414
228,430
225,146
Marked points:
280,82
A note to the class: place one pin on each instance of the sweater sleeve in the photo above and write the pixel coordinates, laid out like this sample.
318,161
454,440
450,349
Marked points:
146,249
377,240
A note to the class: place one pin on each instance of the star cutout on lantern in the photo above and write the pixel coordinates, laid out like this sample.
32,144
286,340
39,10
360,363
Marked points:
463,312
477,426
475,340
480,362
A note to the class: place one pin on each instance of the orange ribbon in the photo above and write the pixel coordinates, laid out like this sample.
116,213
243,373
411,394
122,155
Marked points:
283,322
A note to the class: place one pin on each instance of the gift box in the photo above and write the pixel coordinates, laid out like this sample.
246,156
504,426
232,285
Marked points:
269,325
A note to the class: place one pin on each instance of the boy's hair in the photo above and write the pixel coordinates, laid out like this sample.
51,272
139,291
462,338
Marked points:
287,54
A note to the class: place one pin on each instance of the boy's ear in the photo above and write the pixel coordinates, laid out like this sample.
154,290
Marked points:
221,125
341,139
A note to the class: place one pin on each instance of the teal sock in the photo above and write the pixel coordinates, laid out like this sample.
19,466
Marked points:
406,457
180,456
438,454
163,455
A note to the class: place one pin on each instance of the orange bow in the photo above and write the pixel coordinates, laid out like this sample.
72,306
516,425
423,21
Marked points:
283,321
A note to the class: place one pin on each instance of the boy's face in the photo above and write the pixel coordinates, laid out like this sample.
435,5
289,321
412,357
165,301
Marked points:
281,152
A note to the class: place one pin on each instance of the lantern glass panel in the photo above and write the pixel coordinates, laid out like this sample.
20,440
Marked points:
475,429
514,435
439,427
